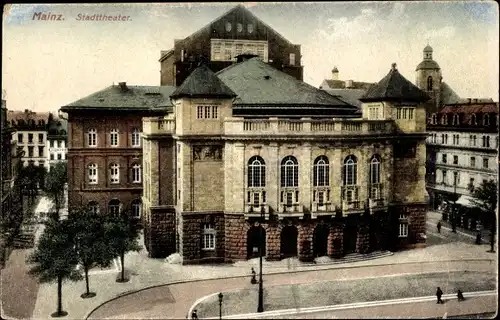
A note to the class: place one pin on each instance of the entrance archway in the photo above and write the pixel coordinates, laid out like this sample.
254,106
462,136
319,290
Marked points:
320,240
350,233
289,236
254,235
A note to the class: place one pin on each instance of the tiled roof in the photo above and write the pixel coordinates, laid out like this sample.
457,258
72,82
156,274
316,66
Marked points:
27,115
466,110
341,84
395,87
132,98
203,83
257,83
351,96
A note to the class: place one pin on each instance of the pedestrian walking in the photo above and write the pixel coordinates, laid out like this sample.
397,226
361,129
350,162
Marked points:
460,295
439,293
194,315
439,226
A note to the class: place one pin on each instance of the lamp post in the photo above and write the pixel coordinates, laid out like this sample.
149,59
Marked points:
453,217
220,304
260,307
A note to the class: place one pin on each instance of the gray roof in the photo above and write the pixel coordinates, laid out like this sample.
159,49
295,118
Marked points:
427,64
448,96
350,96
395,87
428,48
257,83
203,83
133,98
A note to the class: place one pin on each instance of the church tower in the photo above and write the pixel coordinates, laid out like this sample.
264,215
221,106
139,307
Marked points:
428,79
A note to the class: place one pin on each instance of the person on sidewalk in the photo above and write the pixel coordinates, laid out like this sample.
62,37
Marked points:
439,226
460,295
439,293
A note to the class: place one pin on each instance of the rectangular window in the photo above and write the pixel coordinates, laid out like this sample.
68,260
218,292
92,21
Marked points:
30,152
445,178
473,161
207,112
59,143
214,112
208,237
92,138
40,151
227,49
40,138
474,140
59,156
51,143
398,113
136,137
51,156
471,182
199,113
114,137
443,158
485,163
292,59
455,159
20,138
403,229
410,113
373,113
30,137
405,113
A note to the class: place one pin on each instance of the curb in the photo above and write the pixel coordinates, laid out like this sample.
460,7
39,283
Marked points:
271,273
284,312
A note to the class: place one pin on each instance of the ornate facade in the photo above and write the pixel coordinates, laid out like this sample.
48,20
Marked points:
250,148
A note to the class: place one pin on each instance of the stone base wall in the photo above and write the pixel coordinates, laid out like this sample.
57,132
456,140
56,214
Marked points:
235,237
159,233
273,240
416,217
335,240
305,241
192,227
363,240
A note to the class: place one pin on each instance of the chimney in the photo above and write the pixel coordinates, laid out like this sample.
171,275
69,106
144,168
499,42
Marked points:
474,100
348,84
123,86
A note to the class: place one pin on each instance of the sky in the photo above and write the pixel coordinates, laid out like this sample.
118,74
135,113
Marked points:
48,64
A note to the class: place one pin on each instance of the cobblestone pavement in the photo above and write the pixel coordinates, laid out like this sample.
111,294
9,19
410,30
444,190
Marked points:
328,293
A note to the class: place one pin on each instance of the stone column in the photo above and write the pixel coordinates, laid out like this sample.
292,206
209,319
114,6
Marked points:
335,240
363,240
272,177
273,241
305,177
304,241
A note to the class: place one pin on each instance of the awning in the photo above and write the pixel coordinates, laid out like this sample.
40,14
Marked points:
466,201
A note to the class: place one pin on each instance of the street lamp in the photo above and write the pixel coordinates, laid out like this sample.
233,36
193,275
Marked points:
260,307
220,304
453,217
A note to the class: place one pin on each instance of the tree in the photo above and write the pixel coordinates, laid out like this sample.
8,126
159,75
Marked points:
54,185
122,235
55,258
485,198
91,245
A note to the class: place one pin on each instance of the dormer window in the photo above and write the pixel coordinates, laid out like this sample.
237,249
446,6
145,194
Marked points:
473,120
456,119
486,119
444,119
239,27
250,28
228,26
434,118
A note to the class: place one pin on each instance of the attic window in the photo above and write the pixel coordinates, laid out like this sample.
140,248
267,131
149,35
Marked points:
473,120
455,119
444,119
101,99
486,120
434,118
267,77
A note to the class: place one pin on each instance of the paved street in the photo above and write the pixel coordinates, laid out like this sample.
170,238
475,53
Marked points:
175,300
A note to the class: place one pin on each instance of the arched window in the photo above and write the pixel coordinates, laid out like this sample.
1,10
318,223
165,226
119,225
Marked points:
429,83
136,173
136,207
114,137
92,173
434,118
114,173
486,119
350,172
473,119
456,119
136,137
92,137
321,172
93,207
114,206
375,170
256,172
444,119
289,172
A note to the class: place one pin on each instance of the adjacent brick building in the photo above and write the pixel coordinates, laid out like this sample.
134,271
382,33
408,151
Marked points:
252,140
105,146
218,44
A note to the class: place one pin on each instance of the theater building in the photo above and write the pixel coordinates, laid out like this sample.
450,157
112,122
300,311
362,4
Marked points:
251,149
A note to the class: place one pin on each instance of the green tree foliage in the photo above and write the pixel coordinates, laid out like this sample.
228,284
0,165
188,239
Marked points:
122,235
91,243
55,258
54,185
485,198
